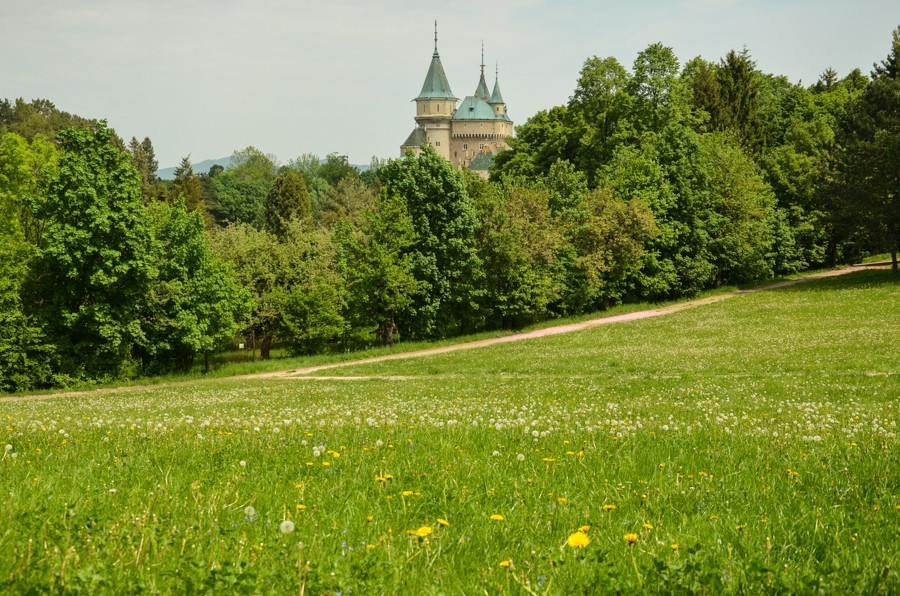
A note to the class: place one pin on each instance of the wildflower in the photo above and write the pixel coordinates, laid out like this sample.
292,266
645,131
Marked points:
520,457
250,512
648,526
287,526
442,522
424,531
609,507
8,447
713,517
300,506
370,518
584,528
243,463
631,538
578,540
674,546
505,563
562,500
406,493
496,517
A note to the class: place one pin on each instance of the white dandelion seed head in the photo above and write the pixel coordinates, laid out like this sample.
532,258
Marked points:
520,457
287,526
8,447
249,511
243,464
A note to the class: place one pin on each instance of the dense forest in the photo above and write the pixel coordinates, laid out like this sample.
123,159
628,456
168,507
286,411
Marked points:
651,183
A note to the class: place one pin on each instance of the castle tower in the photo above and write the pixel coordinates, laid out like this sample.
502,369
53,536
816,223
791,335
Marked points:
496,100
481,91
435,106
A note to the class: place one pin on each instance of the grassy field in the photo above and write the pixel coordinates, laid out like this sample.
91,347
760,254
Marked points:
746,446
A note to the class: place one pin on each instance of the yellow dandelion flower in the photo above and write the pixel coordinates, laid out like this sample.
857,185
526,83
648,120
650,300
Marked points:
442,522
326,463
371,546
388,476
713,517
631,538
584,528
300,506
674,546
410,532
562,500
406,493
578,540
549,460
424,531
370,518
609,507
648,526
496,517
505,563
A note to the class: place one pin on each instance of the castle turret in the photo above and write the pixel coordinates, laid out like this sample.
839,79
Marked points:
434,108
496,100
481,92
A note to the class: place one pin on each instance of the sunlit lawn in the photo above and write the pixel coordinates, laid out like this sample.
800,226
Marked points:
750,445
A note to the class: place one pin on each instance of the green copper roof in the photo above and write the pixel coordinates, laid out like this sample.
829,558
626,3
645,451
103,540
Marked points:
474,108
436,85
482,162
481,92
415,139
496,96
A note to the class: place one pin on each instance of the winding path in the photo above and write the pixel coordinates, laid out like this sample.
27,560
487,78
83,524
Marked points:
307,372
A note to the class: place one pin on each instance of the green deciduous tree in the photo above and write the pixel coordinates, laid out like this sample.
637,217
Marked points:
93,266
194,304
444,256
377,266
870,138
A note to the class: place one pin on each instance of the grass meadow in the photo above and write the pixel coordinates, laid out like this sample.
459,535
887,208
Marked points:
747,446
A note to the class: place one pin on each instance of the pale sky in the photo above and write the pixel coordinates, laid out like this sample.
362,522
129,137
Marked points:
206,77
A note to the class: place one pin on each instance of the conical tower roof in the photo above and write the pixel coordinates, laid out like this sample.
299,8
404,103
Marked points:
496,96
436,85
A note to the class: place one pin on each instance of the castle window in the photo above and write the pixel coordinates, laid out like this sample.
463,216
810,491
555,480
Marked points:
465,146
437,143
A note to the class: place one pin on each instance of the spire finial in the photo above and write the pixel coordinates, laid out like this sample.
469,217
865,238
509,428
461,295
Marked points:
435,36
482,57
496,71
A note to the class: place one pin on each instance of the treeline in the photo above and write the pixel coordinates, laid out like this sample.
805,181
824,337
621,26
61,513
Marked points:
651,183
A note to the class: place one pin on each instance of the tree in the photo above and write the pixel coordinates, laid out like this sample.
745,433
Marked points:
143,158
444,256
261,267
870,138
93,265
186,186
518,243
377,266
242,188
288,199
313,302
25,356
194,304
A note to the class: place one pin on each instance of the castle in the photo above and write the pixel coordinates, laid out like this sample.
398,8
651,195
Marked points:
467,136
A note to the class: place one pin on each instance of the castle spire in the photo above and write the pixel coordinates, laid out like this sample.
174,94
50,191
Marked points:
436,85
481,91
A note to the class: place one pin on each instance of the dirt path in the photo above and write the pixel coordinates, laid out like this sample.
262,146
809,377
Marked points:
306,372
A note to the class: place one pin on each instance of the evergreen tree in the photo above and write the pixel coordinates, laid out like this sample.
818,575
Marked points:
288,199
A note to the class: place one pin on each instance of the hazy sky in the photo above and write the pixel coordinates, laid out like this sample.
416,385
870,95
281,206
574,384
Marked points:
206,77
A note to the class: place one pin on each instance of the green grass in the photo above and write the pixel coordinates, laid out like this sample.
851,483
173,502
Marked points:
758,434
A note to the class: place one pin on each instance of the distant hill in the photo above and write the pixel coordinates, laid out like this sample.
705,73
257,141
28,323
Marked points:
199,167
204,166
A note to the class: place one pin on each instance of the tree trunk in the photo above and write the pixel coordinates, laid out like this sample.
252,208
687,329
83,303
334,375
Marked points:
205,362
265,347
253,344
387,331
